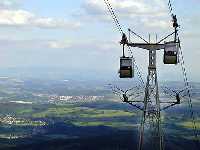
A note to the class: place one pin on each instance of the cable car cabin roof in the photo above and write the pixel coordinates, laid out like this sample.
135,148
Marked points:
126,58
126,62
171,47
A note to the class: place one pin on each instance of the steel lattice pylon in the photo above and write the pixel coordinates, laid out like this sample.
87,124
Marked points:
151,111
151,104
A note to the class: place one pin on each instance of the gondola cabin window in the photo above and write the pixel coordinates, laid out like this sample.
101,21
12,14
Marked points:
126,67
171,52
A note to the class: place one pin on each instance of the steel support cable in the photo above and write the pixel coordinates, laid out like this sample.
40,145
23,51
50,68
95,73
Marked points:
192,115
114,17
136,66
119,27
139,74
170,7
186,82
121,32
184,72
113,12
130,31
167,92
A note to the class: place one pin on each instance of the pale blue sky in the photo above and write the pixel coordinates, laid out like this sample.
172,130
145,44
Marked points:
79,35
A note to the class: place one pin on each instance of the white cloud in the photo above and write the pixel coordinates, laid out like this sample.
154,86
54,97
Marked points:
156,23
8,3
22,18
59,44
12,44
15,17
192,35
137,10
89,45
12,16
32,44
127,8
92,46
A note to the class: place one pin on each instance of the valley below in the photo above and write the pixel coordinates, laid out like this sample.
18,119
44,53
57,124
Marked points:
52,115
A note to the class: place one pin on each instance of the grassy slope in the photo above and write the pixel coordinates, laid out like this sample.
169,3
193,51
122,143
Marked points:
82,112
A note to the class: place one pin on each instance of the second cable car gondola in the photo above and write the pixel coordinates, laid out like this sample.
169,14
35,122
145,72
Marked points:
171,53
126,67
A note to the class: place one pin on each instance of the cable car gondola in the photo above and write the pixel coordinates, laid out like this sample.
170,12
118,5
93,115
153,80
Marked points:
171,52
126,67
126,63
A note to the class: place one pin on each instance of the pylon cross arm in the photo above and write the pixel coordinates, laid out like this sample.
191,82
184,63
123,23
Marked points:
147,46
